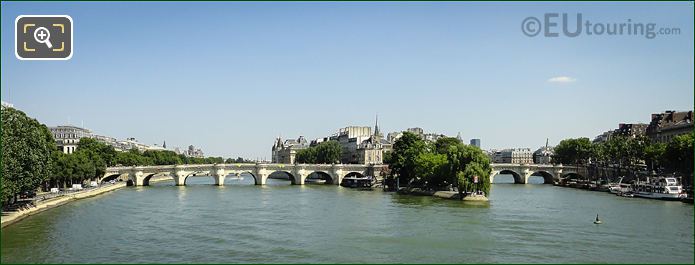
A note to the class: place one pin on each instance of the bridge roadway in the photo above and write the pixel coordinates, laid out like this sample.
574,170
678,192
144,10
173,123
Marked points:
333,173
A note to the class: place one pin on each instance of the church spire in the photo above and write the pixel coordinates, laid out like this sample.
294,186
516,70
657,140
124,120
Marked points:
376,126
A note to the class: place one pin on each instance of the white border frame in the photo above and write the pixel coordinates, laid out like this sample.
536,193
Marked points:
72,37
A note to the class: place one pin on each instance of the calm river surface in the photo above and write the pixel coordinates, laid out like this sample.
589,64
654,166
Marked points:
278,223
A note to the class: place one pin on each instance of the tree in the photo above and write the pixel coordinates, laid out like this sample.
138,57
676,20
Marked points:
405,151
27,146
467,162
388,155
678,154
306,156
441,146
431,169
328,152
653,155
574,151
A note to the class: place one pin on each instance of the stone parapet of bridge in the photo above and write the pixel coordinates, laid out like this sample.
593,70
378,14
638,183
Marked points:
140,175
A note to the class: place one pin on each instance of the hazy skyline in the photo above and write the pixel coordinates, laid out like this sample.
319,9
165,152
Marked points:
229,77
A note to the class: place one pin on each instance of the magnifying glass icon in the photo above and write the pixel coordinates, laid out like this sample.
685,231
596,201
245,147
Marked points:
42,35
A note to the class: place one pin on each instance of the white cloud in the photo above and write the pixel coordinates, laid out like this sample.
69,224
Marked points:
562,79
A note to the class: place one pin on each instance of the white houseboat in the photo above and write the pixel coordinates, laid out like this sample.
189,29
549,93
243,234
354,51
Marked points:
664,188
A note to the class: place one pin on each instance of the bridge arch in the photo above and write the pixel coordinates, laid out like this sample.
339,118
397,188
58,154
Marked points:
198,173
354,173
518,178
293,178
247,172
572,175
110,178
548,177
319,174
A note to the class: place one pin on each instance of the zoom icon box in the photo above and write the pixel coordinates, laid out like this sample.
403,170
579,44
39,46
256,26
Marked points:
43,37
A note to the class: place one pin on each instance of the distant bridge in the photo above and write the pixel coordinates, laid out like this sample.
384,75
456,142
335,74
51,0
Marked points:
298,173
522,172
334,173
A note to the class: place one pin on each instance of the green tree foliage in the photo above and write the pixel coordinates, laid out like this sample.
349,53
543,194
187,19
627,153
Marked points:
27,147
324,153
630,153
466,162
442,144
403,159
653,154
132,157
307,156
238,160
163,157
434,166
388,155
573,151
678,155
432,169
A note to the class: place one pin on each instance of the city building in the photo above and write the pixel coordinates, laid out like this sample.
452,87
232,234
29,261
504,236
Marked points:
393,136
350,139
604,137
128,144
432,137
513,156
664,126
194,152
370,151
543,155
67,137
359,145
285,152
631,129
475,142
417,130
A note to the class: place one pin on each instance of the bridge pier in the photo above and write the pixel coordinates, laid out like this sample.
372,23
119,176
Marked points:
218,174
261,178
338,174
138,177
300,176
179,178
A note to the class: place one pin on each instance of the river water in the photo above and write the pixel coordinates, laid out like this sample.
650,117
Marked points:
280,223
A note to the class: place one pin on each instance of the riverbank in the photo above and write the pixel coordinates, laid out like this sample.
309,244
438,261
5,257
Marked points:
15,216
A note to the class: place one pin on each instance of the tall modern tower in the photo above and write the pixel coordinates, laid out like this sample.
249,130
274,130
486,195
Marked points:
475,142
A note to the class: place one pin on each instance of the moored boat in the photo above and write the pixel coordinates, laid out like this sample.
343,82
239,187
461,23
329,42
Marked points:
358,182
663,188
620,187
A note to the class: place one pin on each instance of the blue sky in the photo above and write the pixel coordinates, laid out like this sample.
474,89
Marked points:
229,77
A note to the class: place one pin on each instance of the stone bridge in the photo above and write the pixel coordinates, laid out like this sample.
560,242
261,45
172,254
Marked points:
522,172
334,173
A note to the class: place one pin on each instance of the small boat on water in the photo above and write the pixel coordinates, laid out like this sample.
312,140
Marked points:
619,188
358,182
628,194
236,177
315,181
